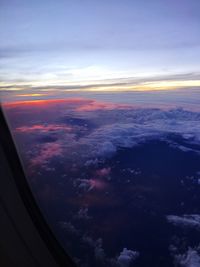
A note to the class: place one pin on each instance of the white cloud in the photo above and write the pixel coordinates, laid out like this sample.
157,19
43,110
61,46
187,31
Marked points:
192,220
127,128
190,259
91,162
126,257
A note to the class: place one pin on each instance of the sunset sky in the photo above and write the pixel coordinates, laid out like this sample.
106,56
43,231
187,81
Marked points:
49,48
102,98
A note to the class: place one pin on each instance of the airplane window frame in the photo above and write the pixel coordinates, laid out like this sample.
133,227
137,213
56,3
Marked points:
10,151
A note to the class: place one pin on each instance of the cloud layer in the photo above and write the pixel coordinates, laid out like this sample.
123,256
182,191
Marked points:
85,130
68,143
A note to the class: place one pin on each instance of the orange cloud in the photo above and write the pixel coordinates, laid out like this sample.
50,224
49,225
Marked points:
78,104
42,103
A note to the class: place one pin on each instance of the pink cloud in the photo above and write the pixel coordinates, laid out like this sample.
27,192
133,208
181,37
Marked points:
47,152
97,105
103,172
81,104
97,184
43,128
89,184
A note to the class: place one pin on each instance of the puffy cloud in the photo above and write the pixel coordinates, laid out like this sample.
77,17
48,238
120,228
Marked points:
192,220
97,246
126,257
107,129
103,172
69,227
83,214
89,184
92,162
127,128
189,259
46,152
107,148
99,251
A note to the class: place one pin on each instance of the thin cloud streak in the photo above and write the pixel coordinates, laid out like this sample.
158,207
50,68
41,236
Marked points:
154,83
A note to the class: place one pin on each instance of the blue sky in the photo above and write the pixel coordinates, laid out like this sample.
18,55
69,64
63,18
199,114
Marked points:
79,43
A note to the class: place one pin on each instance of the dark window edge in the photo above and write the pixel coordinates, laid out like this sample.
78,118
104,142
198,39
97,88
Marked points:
12,157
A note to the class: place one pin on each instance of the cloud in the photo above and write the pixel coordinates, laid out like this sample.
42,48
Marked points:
96,245
41,128
45,153
83,214
99,251
191,258
87,185
69,227
88,136
53,85
192,220
91,162
126,257
103,172
127,128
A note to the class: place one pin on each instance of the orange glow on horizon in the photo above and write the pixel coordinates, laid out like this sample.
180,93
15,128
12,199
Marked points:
128,85
41,102
78,104
30,95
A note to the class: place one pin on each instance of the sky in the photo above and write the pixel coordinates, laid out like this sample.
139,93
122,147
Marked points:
54,47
